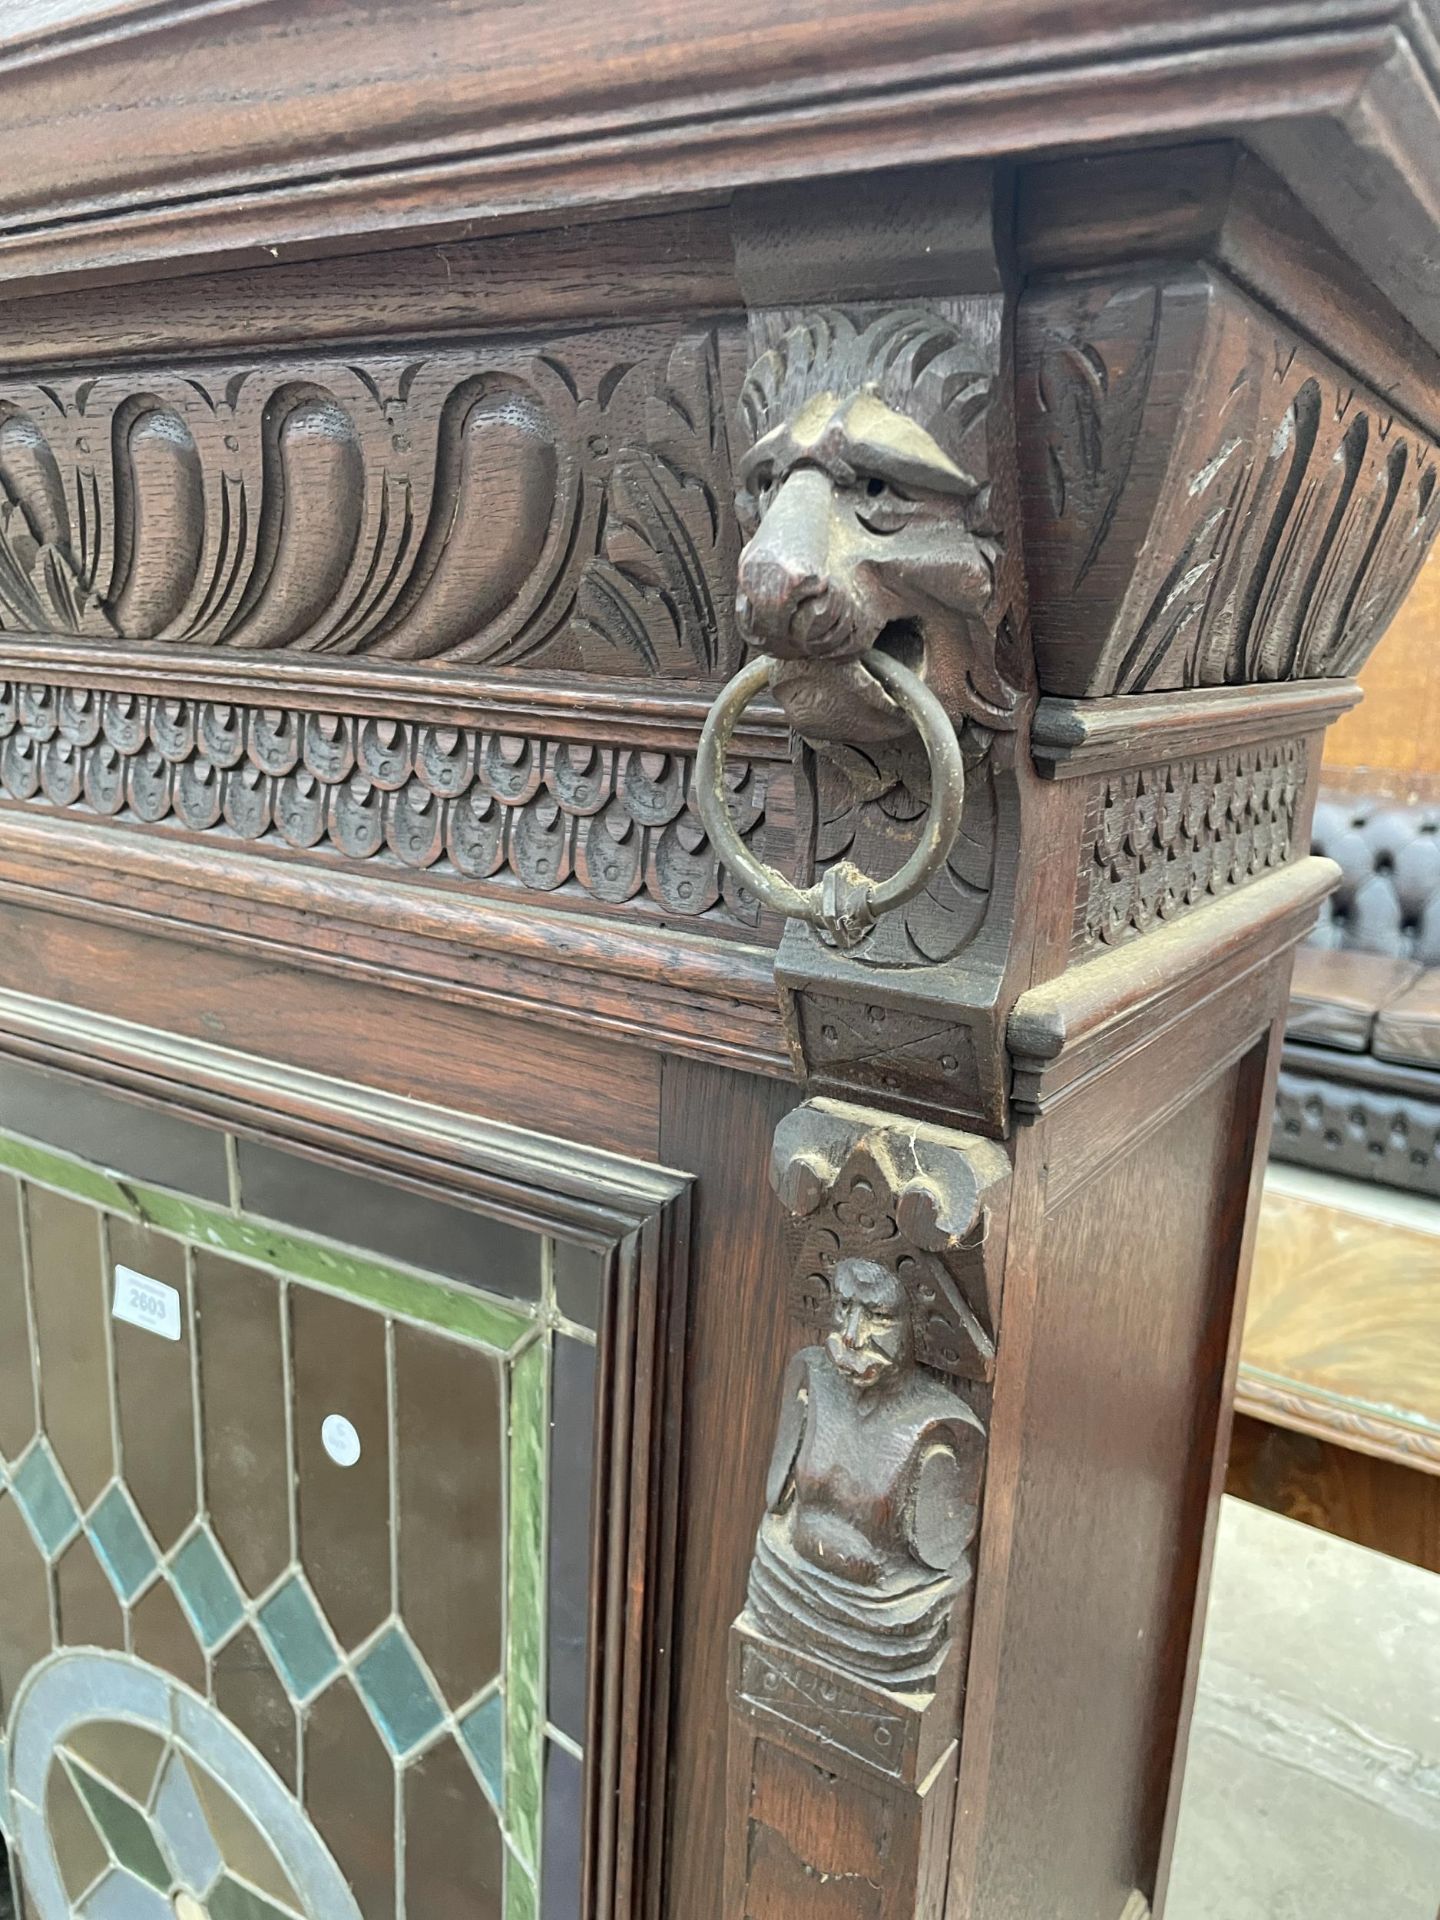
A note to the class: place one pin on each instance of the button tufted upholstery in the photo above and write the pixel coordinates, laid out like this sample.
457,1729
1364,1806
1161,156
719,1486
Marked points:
1389,898
1359,1088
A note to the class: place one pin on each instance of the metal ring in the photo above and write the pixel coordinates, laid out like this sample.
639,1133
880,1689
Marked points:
845,902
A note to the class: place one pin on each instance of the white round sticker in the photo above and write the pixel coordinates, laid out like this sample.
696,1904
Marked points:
340,1440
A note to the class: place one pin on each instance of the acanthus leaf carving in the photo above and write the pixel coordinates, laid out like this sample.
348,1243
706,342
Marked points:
564,504
1296,507
668,535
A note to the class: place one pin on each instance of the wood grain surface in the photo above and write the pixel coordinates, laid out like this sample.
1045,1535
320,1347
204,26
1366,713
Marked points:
1342,1331
1377,1503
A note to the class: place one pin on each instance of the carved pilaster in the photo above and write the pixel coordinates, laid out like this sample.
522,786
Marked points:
847,1664
1134,562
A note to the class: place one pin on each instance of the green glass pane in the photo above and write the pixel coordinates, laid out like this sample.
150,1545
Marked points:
208,1589
125,1552
523,1655
521,1899
296,1636
483,1732
397,1692
231,1900
44,1500
125,1828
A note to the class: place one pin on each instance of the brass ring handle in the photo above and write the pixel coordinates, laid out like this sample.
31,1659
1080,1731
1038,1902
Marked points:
845,902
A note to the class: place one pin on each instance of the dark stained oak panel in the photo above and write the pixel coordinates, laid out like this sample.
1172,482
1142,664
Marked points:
1119,1406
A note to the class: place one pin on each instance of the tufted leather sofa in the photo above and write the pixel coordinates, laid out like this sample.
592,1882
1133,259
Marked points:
1359,1090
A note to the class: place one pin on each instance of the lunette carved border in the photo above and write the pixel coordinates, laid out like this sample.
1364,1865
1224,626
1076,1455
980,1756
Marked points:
566,819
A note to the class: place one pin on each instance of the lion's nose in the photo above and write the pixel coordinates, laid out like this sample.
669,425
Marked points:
783,573
773,589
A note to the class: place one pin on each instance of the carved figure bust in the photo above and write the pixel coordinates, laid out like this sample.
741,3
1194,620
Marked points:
868,521
873,1494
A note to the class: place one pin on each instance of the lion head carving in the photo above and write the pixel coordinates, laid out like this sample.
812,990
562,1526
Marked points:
867,524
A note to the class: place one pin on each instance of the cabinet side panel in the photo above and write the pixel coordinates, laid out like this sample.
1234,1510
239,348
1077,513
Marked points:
1123,1403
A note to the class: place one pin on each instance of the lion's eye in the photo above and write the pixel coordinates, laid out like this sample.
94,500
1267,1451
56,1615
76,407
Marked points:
882,507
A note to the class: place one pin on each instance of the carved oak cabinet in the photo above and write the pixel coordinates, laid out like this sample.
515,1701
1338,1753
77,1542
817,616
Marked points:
663,674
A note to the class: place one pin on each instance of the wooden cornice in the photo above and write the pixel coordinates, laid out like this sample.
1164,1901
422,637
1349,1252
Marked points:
402,123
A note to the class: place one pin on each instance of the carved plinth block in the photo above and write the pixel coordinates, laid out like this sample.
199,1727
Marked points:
900,1736
840,1793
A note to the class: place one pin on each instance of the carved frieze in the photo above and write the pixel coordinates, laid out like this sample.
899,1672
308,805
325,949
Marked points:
1160,840
1208,499
558,817
565,504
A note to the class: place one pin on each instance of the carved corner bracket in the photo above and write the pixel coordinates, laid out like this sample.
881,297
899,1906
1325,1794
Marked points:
879,498
847,1662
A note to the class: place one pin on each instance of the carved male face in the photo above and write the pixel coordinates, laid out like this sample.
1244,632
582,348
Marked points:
871,1335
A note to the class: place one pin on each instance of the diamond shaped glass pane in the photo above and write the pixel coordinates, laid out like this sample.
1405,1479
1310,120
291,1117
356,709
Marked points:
187,1832
43,1499
121,1543
397,1692
208,1588
483,1732
125,1829
292,1625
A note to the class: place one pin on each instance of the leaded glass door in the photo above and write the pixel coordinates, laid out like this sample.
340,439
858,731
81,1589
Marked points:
295,1533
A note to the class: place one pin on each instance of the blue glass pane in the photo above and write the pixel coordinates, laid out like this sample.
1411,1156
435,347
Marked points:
397,1692
43,1499
483,1732
120,1541
119,1896
292,1625
182,1820
208,1589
